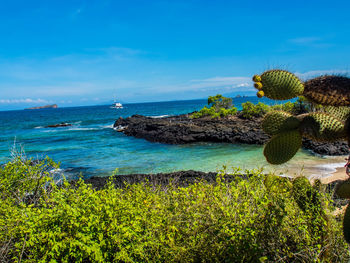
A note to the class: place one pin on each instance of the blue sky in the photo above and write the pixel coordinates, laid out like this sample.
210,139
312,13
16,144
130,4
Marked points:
89,52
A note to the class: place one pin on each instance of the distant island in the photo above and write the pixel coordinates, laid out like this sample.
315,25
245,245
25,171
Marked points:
52,106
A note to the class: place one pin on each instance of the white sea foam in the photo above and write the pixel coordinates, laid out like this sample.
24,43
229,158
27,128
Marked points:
330,166
50,131
158,117
83,129
39,127
110,126
325,170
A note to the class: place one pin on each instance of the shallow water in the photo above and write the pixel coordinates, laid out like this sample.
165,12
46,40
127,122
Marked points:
92,147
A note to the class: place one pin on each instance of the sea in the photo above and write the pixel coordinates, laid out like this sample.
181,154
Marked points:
91,147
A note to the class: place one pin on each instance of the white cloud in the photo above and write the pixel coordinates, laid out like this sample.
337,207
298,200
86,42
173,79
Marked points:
217,83
21,101
316,73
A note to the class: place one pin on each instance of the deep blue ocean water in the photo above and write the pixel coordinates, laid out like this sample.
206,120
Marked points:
92,147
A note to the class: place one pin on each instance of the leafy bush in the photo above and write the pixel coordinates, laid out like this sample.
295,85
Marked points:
214,113
250,111
288,107
219,101
246,220
220,106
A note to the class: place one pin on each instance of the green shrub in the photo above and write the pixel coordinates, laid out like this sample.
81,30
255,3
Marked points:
254,219
250,111
220,106
287,107
218,101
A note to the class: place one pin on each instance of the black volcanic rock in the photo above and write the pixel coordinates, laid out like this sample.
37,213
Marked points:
181,129
52,106
63,124
233,129
180,178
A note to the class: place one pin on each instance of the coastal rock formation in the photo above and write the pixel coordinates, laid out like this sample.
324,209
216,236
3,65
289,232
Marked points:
233,129
52,106
180,178
181,129
63,124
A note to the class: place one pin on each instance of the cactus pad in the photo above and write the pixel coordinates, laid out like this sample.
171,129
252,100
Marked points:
281,85
282,147
322,127
328,90
342,189
346,224
342,113
279,121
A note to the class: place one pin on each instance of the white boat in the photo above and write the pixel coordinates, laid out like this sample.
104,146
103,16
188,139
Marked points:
117,105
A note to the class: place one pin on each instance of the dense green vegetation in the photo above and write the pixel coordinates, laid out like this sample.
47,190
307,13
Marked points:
247,219
250,110
218,106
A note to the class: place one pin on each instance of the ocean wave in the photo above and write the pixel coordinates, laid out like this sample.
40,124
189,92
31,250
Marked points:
38,127
109,126
159,116
48,131
83,129
331,167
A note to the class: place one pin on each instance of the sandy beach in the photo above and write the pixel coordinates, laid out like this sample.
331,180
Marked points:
326,168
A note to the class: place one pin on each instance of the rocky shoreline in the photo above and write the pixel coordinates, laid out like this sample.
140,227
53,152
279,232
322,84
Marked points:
180,178
181,129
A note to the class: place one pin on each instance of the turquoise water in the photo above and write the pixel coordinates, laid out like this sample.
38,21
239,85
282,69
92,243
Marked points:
92,147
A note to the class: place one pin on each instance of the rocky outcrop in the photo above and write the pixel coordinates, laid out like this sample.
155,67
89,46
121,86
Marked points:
52,106
181,129
63,124
180,178
233,129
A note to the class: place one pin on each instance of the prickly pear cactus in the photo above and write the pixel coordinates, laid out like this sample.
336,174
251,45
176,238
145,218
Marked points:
343,189
282,85
322,127
278,85
331,122
342,113
282,147
328,90
346,224
278,121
